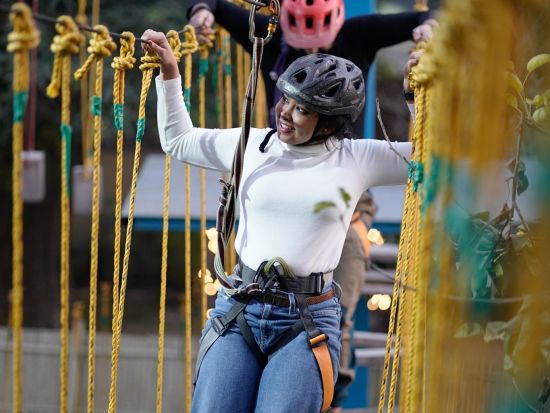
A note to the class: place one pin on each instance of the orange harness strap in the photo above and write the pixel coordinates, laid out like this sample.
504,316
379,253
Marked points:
322,356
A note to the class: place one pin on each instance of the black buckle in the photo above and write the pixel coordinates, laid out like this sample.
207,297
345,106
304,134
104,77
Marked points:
318,282
219,327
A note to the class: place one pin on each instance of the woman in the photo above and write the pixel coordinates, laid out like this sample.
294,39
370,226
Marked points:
267,358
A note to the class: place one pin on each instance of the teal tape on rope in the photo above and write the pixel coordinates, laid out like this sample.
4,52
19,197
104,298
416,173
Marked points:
96,106
118,115
140,129
19,105
66,135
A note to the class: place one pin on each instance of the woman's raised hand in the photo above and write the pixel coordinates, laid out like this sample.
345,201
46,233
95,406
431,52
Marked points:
158,43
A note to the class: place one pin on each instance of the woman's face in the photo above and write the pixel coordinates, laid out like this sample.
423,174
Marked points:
295,123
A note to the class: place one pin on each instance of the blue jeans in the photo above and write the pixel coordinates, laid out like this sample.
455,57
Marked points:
232,380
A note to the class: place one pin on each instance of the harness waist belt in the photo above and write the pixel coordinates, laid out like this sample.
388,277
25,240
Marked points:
283,301
312,284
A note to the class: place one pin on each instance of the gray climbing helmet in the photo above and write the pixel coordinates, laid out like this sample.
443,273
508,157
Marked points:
325,84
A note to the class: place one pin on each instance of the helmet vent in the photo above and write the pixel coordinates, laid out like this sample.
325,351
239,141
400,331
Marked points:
300,76
349,68
327,20
332,91
309,22
292,20
357,84
309,2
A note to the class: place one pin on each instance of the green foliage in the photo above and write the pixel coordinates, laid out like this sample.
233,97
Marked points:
322,205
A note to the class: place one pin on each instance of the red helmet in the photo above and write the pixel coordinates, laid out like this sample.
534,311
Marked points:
309,24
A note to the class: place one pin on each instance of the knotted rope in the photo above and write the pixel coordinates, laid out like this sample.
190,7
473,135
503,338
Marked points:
66,42
149,62
23,38
101,46
121,63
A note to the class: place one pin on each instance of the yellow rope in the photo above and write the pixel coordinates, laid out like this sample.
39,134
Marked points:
23,38
66,42
203,68
101,46
85,114
125,61
148,63
191,46
175,44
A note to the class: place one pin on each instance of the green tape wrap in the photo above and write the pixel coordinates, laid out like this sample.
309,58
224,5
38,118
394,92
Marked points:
187,98
66,135
416,174
96,105
118,116
140,129
203,67
227,69
19,105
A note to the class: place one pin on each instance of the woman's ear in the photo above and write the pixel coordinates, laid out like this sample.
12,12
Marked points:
327,131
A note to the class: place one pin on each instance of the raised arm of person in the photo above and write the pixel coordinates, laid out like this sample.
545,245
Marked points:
383,30
207,148
203,13
378,164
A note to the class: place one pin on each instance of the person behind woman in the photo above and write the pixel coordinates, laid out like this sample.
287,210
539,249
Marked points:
266,359
310,26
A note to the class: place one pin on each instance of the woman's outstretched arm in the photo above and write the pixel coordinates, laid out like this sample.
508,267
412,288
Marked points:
207,148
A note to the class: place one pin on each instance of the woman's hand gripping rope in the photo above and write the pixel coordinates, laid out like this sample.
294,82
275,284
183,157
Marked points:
159,45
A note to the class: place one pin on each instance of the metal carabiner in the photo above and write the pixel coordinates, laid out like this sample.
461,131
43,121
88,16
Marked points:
275,11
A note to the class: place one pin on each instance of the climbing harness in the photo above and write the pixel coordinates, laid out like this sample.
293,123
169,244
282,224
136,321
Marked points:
268,285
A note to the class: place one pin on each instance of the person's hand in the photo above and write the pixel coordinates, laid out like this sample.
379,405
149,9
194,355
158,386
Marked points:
202,20
423,32
414,58
158,43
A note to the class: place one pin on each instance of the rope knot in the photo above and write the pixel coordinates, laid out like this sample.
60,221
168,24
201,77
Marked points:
24,36
68,38
190,44
149,62
126,59
101,46
175,44
67,41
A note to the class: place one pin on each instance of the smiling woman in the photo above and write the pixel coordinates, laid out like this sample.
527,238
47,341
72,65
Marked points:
295,123
280,321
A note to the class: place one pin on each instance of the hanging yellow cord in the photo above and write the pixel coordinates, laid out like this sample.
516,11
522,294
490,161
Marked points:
66,42
81,18
189,46
101,46
175,44
203,70
23,38
149,62
125,61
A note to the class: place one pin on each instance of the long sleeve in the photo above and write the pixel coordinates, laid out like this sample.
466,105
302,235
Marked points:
378,164
382,30
207,148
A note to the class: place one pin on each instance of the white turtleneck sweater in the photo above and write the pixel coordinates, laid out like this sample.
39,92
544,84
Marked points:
280,188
